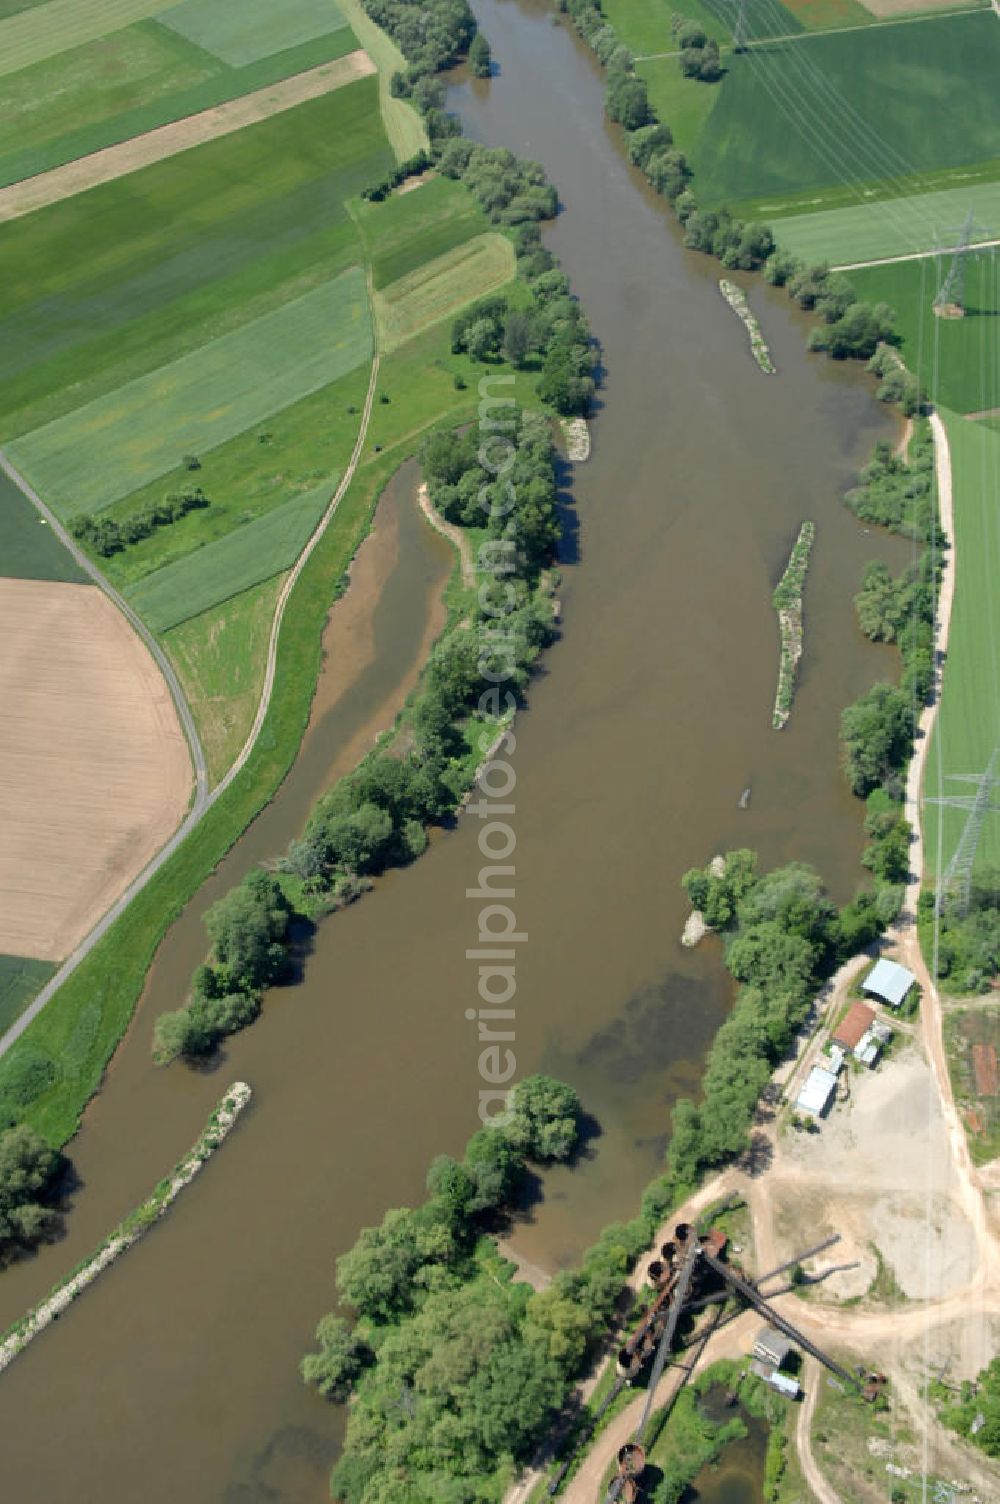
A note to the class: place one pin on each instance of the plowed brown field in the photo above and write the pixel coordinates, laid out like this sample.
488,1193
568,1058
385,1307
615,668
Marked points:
94,769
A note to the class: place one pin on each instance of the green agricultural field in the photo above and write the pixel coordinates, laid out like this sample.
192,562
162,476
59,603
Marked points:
254,29
968,724
261,469
45,30
96,291
439,289
20,980
956,358
856,106
123,85
29,549
890,226
644,25
113,445
407,229
232,564
682,103
220,657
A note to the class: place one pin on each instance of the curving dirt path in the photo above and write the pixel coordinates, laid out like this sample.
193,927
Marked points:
168,140
811,1380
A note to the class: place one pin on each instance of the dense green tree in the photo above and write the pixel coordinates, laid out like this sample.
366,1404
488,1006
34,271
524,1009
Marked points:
877,737
480,60
335,1368
544,1118
27,1169
247,928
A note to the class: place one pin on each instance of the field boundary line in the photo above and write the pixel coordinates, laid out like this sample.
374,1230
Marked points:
857,266
204,800
837,31
164,141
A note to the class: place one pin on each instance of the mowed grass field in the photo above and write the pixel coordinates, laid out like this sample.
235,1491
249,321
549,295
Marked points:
109,447
133,77
968,724
856,107
29,549
891,226
438,289
956,358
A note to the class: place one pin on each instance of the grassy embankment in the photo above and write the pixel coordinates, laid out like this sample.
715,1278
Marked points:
94,80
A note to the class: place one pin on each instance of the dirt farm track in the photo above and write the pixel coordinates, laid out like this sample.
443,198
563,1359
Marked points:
95,772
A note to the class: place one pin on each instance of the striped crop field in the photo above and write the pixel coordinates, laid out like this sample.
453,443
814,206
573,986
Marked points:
889,227
245,557
41,32
111,446
441,287
244,33
968,724
113,283
94,92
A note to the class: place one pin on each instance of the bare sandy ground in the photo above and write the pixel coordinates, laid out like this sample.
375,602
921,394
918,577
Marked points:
181,135
889,8
94,770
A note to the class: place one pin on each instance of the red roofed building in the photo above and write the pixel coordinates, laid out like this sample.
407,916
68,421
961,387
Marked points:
856,1023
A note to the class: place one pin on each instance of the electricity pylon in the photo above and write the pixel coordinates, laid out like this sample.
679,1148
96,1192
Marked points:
740,35
951,293
958,873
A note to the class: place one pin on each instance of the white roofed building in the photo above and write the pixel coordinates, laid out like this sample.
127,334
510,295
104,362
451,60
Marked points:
889,981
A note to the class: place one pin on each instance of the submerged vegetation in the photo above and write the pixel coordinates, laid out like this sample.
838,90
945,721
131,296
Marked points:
736,298
787,601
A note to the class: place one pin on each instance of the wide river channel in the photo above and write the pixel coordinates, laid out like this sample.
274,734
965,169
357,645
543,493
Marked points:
175,1376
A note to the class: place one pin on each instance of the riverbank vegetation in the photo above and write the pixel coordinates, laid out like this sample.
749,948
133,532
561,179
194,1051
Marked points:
28,1169
787,600
877,730
377,816
454,1370
783,937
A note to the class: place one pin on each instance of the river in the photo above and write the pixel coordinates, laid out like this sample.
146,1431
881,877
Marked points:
175,1376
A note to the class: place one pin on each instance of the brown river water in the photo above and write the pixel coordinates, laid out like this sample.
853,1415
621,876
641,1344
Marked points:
175,1376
